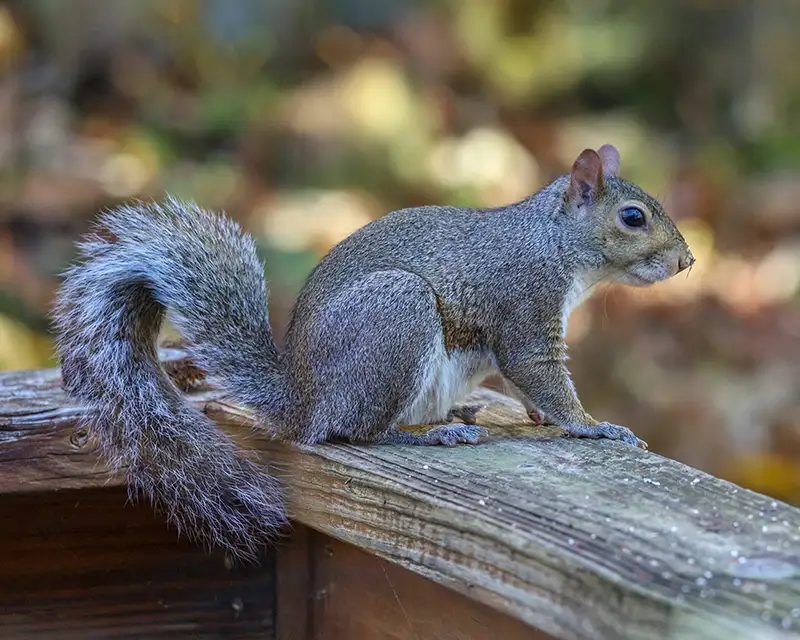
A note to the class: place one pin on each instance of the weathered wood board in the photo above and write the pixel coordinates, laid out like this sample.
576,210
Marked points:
580,539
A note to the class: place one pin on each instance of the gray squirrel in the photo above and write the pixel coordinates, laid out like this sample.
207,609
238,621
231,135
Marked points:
394,326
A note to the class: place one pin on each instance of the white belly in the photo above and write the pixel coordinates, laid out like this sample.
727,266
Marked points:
448,378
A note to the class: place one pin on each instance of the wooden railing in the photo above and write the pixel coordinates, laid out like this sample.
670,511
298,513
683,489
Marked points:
526,535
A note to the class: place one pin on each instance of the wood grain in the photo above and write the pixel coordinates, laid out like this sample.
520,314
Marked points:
581,539
83,565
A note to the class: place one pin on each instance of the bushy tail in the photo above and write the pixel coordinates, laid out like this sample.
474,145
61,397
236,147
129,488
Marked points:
140,262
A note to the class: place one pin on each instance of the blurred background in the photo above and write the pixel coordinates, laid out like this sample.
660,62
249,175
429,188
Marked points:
305,119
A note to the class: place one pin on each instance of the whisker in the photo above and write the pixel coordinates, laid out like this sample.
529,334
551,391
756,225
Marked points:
593,285
605,305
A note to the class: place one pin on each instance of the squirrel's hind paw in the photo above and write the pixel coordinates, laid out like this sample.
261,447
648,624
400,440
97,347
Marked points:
454,433
448,435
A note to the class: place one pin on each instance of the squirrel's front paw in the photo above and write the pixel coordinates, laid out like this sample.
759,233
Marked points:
606,430
536,416
451,434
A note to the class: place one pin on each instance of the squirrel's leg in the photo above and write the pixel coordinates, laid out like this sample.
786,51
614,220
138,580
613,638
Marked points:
546,381
365,365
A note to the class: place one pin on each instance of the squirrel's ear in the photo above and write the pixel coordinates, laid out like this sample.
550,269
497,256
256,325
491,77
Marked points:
586,179
610,159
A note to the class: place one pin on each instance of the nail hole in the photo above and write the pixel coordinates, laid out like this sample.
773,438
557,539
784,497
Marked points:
79,438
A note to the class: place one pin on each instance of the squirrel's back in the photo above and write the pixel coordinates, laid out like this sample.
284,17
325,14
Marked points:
497,251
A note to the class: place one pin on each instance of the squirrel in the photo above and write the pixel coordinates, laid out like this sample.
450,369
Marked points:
393,327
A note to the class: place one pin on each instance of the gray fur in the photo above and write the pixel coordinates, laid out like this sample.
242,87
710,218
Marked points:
394,326
141,260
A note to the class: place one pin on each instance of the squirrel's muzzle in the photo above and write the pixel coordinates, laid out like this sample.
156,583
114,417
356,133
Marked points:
685,261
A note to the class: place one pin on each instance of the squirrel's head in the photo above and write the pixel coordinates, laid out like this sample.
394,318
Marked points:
637,241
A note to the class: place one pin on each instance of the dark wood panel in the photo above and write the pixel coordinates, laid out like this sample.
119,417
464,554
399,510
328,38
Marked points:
353,595
86,565
295,584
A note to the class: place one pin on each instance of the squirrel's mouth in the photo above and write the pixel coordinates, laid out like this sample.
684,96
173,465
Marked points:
637,280
651,270
645,275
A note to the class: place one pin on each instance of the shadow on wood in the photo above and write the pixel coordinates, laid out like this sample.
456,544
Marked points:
84,565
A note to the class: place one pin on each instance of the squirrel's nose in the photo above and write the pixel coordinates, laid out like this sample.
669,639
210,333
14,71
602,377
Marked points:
685,261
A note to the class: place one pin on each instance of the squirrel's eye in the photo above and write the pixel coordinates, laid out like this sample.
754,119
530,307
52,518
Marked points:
632,217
